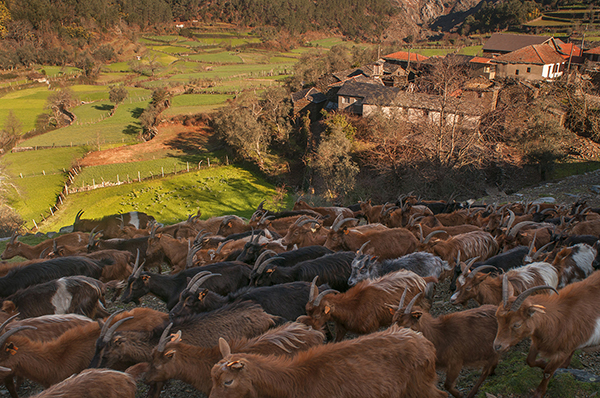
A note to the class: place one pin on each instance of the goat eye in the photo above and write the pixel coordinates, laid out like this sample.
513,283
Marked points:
468,288
516,325
228,383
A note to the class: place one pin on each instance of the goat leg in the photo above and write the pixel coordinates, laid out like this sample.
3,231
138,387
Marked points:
487,370
548,372
155,389
532,361
450,382
340,332
10,386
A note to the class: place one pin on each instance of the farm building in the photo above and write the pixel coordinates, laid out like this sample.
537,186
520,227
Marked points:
503,43
534,62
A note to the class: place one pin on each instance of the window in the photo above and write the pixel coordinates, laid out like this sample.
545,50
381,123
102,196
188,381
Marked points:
517,72
528,70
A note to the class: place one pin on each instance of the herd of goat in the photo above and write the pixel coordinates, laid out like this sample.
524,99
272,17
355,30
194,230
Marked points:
260,307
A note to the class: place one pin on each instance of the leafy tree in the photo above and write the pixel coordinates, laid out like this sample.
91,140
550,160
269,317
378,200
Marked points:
11,132
117,94
332,160
60,102
5,18
150,117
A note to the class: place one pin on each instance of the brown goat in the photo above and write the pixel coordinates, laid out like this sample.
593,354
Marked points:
487,289
192,364
461,339
574,263
93,383
362,309
16,248
329,213
52,361
174,249
471,244
557,324
393,363
306,231
386,243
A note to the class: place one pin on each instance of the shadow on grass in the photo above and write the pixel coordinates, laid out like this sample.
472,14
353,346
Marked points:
132,130
137,112
104,107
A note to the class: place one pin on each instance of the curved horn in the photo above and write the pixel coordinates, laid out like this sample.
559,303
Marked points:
540,251
342,222
163,338
6,335
521,298
322,294
428,237
479,269
6,322
309,221
313,288
198,239
114,328
532,245
511,220
383,208
401,304
515,230
260,258
44,252
138,268
471,262
106,324
260,205
78,216
337,219
196,277
412,302
264,264
222,244
200,281
360,251
14,236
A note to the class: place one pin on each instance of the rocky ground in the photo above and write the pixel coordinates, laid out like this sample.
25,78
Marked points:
580,187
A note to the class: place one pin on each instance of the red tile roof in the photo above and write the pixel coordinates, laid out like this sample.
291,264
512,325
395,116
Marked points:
537,54
566,49
595,50
481,60
403,56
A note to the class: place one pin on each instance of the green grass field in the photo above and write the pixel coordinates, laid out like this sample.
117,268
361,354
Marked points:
121,172
122,127
214,191
195,103
32,163
25,104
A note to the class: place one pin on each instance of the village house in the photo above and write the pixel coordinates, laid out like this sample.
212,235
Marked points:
592,54
364,99
504,43
534,62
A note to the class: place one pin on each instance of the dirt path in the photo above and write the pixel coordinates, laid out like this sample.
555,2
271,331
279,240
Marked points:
172,138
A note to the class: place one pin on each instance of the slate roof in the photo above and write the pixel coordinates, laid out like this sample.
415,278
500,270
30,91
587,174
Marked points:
372,94
537,54
505,43
311,94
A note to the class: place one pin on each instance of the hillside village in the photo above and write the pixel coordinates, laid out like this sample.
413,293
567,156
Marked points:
389,83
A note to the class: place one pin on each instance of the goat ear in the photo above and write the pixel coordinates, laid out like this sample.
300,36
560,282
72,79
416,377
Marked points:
202,294
145,277
224,347
327,309
416,314
229,224
11,348
9,307
531,311
270,270
169,354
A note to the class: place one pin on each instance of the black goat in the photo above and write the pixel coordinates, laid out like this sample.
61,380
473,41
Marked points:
287,300
287,259
333,269
508,260
33,274
71,294
168,287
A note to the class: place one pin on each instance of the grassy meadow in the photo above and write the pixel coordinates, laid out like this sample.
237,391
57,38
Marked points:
214,191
